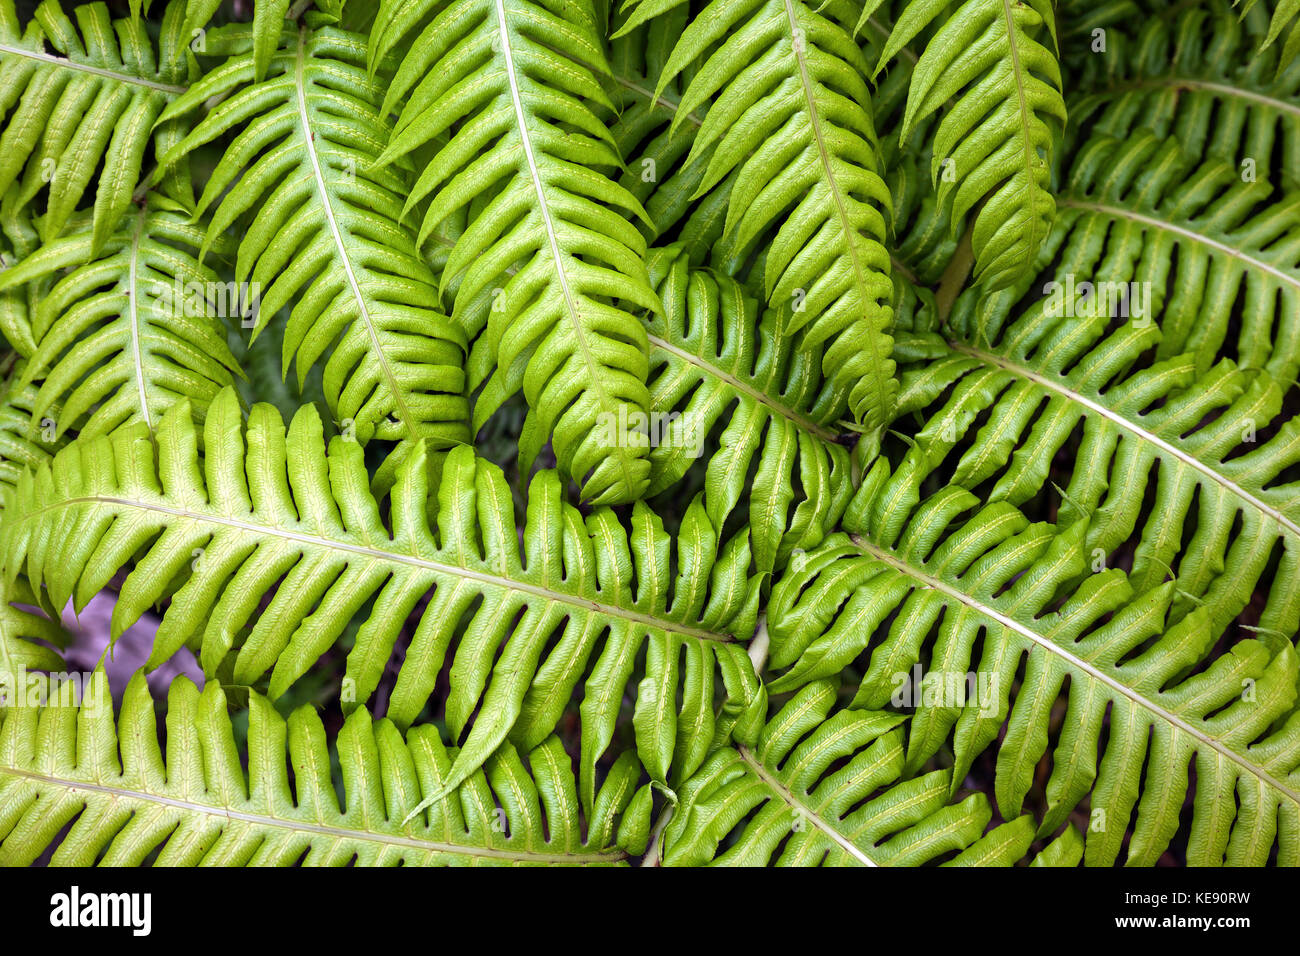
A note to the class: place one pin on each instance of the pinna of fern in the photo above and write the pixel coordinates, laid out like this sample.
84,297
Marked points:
546,268
90,106
267,515
126,801
326,238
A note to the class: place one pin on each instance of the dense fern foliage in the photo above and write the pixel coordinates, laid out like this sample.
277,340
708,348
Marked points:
674,432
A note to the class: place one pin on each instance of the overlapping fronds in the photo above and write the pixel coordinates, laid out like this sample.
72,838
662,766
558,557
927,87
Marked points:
1191,72
716,367
503,94
723,431
80,101
804,793
129,325
126,801
995,63
1215,260
324,235
989,602
275,544
1212,452
790,115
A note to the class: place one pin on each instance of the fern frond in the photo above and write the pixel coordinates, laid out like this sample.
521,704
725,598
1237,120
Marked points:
716,367
278,547
1212,448
939,578
89,106
131,327
791,118
1192,73
325,237
26,440
1281,20
24,636
813,790
1205,246
512,85
126,802
993,148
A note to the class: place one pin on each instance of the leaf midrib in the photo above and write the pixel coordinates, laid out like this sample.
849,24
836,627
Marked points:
327,204
1227,90
67,64
595,375
799,421
801,808
1191,235
340,833
1073,661
436,567
847,230
1135,430
672,106
1026,122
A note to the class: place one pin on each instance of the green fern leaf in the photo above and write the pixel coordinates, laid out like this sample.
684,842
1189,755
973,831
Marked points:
993,149
936,584
519,162
791,115
656,148
789,793
326,239
1213,448
289,522
1201,243
1193,73
29,641
131,328
26,440
196,805
89,106
714,366
1283,13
